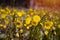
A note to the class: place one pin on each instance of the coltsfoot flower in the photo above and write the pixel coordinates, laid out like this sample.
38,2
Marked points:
28,20
7,21
46,32
36,18
20,13
27,27
17,34
48,24
4,26
30,9
1,25
18,23
21,30
58,25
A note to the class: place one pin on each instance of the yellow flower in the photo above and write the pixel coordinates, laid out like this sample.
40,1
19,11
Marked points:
28,20
6,21
27,27
3,15
17,34
2,10
1,25
21,30
31,13
20,13
12,13
36,18
30,9
4,26
42,12
59,26
7,10
18,23
14,10
25,24
46,32
35,11
48,24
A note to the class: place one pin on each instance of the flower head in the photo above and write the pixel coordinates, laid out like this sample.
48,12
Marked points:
20,13
46,32
3,26
21,30
48,24
58,25
36,18
18,23
30,9
28,20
